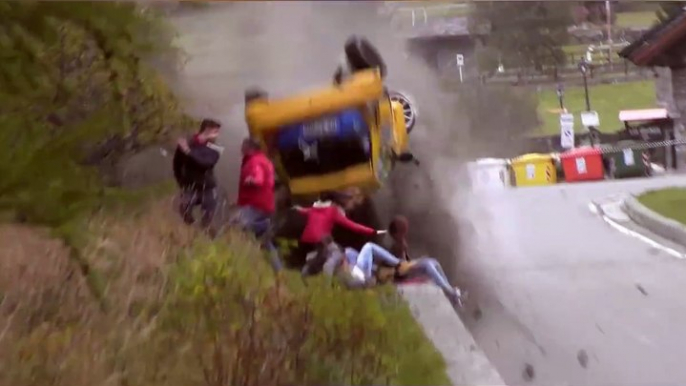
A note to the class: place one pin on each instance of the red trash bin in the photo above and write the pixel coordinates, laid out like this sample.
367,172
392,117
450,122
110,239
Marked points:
583,164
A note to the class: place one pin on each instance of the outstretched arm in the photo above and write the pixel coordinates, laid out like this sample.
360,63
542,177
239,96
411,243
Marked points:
343,221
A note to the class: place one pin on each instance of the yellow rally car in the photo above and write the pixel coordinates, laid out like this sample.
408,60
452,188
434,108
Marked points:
347,135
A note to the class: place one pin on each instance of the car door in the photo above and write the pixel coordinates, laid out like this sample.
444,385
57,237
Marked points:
386,138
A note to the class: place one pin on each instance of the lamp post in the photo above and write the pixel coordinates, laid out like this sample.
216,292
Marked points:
560,96
584,67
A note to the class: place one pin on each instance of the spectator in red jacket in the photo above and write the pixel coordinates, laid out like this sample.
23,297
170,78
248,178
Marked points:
256,195
322,216
256,185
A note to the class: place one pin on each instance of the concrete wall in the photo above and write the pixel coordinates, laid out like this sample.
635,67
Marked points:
466,364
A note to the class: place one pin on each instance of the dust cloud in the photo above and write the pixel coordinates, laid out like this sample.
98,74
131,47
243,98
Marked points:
284,47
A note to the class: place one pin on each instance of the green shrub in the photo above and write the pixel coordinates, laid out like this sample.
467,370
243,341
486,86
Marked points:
221,317
248,327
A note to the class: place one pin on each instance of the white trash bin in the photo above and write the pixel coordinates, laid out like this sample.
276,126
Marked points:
489,174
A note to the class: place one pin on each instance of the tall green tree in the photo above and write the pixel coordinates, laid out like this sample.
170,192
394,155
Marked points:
524,34
76,95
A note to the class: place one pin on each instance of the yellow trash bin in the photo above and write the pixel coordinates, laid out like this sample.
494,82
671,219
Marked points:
534,170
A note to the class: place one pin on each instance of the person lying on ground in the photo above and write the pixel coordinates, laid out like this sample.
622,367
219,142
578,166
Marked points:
330,258
424,266
361,263
372,254
256,197
355,269
321,218
193,164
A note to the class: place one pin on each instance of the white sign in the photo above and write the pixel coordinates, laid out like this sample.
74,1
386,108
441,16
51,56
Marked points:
567,131
581,165
530,171
460,60
590,119
628,157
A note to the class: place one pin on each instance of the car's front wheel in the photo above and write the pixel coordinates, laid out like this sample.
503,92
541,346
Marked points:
409,109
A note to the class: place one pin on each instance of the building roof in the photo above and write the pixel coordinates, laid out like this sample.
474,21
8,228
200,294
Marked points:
654,47
643,115
448,27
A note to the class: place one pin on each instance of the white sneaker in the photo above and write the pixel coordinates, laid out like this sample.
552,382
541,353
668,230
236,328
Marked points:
460,297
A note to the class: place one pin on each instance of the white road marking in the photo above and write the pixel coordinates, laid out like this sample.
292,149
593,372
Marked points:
624,230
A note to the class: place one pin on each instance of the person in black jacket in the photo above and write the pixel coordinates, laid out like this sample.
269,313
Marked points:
194,162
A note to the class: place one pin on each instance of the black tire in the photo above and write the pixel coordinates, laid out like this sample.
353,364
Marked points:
362,55
409,110
255,93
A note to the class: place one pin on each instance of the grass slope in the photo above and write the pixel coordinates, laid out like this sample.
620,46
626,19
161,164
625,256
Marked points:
670,202
150,301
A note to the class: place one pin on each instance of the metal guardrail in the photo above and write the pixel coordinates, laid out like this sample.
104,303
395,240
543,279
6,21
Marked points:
641,146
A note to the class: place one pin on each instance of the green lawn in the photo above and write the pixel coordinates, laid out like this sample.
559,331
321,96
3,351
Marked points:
606,99
636,19
669,202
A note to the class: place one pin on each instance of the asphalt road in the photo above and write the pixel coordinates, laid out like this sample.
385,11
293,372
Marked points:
555,287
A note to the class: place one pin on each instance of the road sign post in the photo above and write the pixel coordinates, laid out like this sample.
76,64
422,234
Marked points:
459,58
590,120
567,130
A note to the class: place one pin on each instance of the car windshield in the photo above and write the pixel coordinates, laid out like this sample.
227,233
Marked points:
325,145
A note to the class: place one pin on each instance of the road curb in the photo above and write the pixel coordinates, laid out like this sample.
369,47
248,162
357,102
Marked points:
660,225
466,364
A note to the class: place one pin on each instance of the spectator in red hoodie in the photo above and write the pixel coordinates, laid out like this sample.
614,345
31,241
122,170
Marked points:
256,195
322,216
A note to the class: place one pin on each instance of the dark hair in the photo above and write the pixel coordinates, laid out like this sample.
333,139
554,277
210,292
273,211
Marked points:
399,226
255,93
209,124
252,143
337,198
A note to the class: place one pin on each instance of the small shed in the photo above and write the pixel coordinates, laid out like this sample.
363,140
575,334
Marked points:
663,48
651,125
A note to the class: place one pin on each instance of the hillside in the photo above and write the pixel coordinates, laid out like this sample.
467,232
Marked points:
143,283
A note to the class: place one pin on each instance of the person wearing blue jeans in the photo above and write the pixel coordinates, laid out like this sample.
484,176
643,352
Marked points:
425,266
432,268
259,224
369,254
